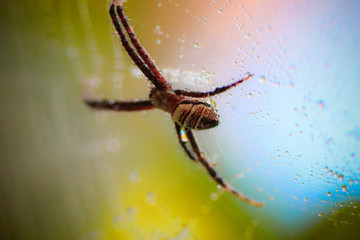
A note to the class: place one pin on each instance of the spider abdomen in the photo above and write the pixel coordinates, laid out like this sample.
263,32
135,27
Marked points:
195,115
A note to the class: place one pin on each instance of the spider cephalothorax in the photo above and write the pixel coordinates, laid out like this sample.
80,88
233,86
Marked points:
189,110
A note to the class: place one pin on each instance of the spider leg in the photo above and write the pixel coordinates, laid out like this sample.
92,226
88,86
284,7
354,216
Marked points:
182,143
120,105
142,52
216,176
131,52
217,90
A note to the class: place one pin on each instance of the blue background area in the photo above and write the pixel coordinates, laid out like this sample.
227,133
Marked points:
295,125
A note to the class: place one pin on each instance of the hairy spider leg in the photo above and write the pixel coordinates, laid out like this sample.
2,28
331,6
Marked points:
182,143
217,90
213,173
131,52
120,105
141,51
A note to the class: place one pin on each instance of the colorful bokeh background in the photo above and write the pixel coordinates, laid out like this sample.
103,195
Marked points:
289,137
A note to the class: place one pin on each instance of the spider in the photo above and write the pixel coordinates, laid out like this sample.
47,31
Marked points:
188,109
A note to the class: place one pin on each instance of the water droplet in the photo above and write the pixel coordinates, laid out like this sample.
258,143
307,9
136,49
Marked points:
71,52
196,45
341,177
132,214
320,104
329,194
214,196
271,197
239,175
305,199
341,204
220,10
113,145
119,222
158,41
320,214
249,95
134,177
262,79
151,198
183,135
343,188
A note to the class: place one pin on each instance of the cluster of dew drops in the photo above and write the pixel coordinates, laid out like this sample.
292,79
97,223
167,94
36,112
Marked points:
340,178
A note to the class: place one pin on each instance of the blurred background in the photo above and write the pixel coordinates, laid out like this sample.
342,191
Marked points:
289,137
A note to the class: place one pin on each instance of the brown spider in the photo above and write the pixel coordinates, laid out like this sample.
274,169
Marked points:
188,109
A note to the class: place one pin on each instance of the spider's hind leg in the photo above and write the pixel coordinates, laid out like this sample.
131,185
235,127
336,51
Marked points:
214,174
182,143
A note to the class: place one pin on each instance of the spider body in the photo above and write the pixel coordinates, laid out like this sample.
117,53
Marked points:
189,110
196,115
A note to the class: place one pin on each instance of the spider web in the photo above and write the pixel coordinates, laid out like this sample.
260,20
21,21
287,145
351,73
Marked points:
294,124
289,137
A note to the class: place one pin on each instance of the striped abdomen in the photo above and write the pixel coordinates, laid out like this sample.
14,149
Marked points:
195,115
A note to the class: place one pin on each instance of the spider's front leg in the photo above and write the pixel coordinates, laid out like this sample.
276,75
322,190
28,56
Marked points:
214,174
120,105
